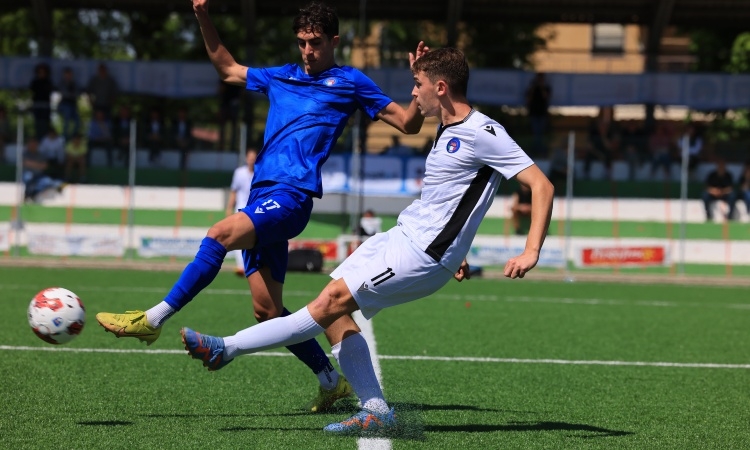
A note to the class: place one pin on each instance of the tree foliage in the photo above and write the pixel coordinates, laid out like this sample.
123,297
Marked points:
15,30
739,61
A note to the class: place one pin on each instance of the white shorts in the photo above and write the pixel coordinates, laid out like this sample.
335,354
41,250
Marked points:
388,270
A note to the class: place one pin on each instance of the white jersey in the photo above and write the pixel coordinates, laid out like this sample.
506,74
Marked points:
462,174
241,181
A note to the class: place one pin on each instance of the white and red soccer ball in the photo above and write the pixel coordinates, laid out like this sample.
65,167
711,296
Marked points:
56,315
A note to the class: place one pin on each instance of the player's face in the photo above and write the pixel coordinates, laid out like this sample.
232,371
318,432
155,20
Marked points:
316,50
426,95
250,158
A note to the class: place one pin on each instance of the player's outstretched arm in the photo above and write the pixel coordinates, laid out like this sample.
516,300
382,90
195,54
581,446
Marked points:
409,120
542,193
229,70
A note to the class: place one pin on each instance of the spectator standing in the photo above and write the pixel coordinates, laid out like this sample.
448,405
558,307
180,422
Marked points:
694,135
6,134
719,186
239,192
103,91
155,135
744,186
182,135
75,158
41,90
121,134
538,96
100,136
558,168
633,142
68,106
230,99
34,176
52,147
661,144
603,142
398,149
520,207
427,146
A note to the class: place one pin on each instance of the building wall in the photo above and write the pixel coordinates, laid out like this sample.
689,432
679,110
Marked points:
569,49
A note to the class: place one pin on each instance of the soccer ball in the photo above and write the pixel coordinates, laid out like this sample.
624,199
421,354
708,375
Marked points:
56,315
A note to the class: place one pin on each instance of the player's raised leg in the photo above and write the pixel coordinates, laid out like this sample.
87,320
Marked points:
233,232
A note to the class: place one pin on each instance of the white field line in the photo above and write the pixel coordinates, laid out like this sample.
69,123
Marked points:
569,362
369,333
449,297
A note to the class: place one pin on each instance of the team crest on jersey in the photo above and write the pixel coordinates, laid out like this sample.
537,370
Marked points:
453,145
330,82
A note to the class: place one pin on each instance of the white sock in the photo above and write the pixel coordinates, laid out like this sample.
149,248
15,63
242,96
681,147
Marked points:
159,314
278,332
353,356
238,259
328,379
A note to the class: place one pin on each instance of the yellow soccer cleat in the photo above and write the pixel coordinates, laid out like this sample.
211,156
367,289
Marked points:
325,398
130,324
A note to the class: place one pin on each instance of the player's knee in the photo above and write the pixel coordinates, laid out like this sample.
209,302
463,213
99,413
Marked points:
261,315
266,310
220,232
333,301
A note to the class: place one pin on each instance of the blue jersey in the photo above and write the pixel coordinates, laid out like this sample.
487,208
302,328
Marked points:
308,114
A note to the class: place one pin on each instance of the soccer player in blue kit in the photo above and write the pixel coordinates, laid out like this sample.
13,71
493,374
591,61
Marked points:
309,108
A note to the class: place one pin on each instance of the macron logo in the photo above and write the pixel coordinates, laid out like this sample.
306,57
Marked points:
490,130
259,210
364,287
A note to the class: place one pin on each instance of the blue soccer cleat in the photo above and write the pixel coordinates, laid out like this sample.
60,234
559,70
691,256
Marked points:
365,423
209,349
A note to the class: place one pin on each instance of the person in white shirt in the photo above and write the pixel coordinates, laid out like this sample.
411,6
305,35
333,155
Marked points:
471,155
52,147
239,191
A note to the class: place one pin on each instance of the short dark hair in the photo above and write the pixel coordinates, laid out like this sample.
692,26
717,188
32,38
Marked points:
447,64
318,18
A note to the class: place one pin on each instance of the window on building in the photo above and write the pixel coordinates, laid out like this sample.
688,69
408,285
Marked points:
608,38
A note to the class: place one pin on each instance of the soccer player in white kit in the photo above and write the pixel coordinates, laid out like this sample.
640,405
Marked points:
239,192
427,247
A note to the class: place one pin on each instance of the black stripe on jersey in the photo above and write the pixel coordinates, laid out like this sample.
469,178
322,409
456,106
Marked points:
468,202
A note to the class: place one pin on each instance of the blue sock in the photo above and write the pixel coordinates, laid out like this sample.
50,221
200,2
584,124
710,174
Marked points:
310,353
198,274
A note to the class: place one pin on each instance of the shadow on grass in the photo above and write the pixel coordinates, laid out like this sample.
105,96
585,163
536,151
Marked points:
411,424
423,407
529,426
105,423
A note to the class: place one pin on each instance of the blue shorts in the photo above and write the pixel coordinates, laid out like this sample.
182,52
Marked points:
279,213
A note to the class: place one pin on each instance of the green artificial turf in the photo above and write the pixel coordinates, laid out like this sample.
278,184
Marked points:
481,364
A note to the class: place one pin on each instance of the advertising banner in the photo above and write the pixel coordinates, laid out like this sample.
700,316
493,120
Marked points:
622,256
71,245
485,252
158,246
